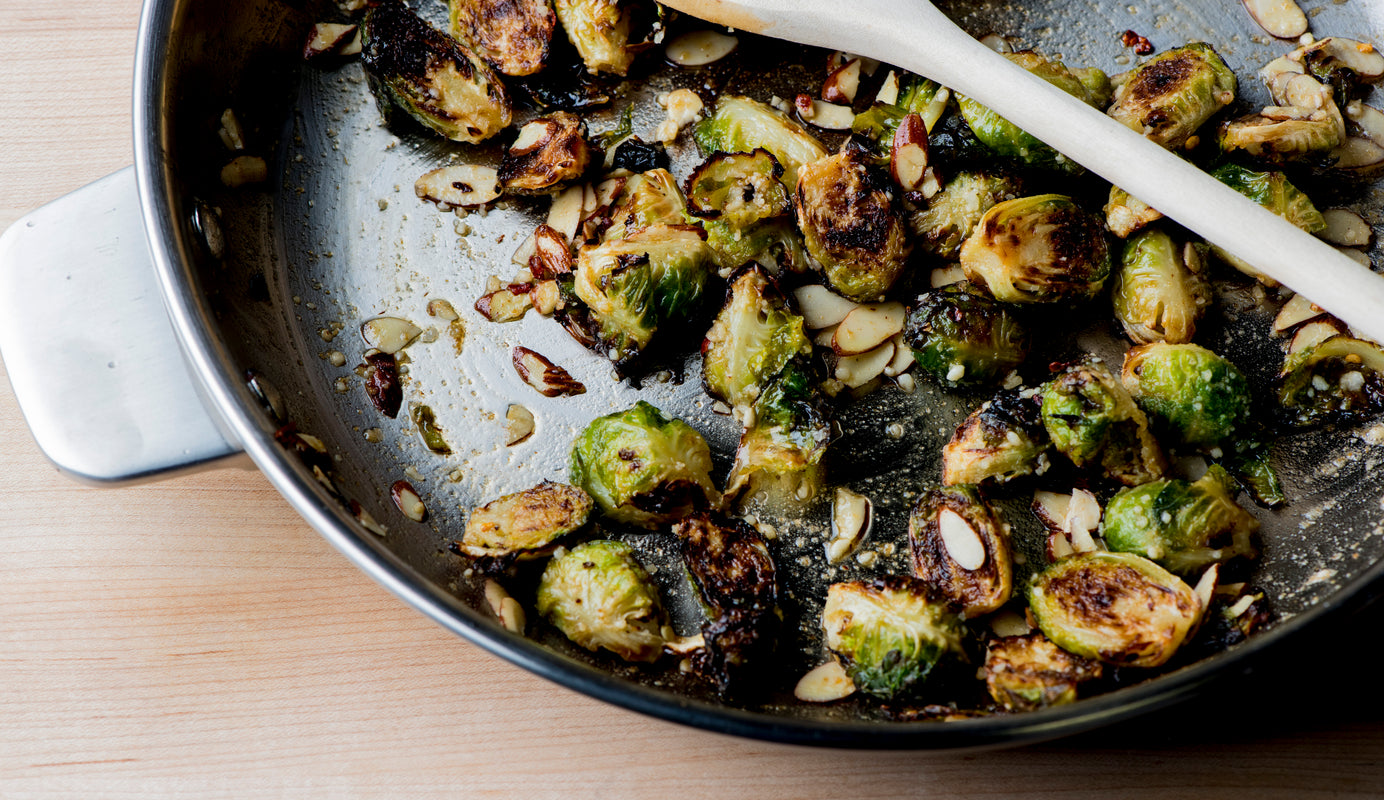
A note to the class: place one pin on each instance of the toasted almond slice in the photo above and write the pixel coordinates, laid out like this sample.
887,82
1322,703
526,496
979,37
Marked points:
699,48
1360,57
437,307
831,116
406,498
823,337
512,615
1369,119
1361,257
518,424
821,307
565,214
996,42
1358,154
503,305
856,371
946,276
328,38
903,358
908,163
1009,623
244,170
824,684
495,595
842,84
1296,311
1083,514
459,185
963,543
1346,228
1313,334
389,334
868,326
1051,509
851,518
1280,18
1205,589
889,90
547,378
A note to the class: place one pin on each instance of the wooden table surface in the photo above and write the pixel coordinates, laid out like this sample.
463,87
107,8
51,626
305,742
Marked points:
196,638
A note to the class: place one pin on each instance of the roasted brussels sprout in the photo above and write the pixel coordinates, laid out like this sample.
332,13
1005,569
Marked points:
1283,134
889,632
431,77
1339,380
851,225
1183,526
954,212
1272,191
1125,214
526,523
548,152
964,338
643,468
1006,139
752,339
513,35
775,244
1093,421
1042,249
729,563
960,549
875,127
785,437
600,597
738,188
1169,96
1119,608
1200,398
742,125
1002,440
1160,291
649,198
600,31
1026,673
634,285
1251,463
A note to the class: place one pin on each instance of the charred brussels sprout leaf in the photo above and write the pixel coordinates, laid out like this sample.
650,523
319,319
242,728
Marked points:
525,523
600,597
1002,440
431,77
548,152
1272,191
513,35
1026,673
1169,96
738,188
1042,249
1339,380
642,467
742,125
889,633
600,32
962,338
1183,526
1119,608
960,549
647,199
1201,398
782,445
1006,139
1094,421
1160,292
953,213
773,243
851,225
752,340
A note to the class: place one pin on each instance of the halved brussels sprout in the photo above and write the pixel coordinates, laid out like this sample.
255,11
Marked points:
1042,249
742,125
1283,134
738,188
1183,526
1201,398
1160,291
1119,608
430,76
960,549
1002,440
1169,96
963,338
634,285
851,225
781,448
1339,380
1094,421
775,244
513,35
642,467
525,523
600,597
1006,139
1125,214
752,339
1272,191
548,152
1026,673
647,199
600,31
953,213
889,632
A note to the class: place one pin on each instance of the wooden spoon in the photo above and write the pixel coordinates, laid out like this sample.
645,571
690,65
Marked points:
914,35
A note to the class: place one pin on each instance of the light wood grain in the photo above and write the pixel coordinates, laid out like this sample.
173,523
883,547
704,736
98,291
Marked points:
196,638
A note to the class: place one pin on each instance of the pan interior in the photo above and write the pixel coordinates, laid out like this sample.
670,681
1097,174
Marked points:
336,237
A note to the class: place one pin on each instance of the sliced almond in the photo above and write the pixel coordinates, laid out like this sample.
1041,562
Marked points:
512,615
1358,154
1083,515
244,170
1359,256
1009,623
552,256
856,371
565,214
1296,311
525,251
996,42
962,541
852,515
504,305
1360,57
327,39
1313,334
903,358
820,307
1369,119
459,186
546,297
908,163
519,424
406,499
842,84
946,276
1051,509
442,310
1346,228
699,48
364,517
1205,589
830,116
889,90
684,645
547,378
1280,18
823,337
824,684
230,131
868,326
389,334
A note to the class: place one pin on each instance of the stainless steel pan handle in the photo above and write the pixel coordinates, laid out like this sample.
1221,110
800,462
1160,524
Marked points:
89,349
